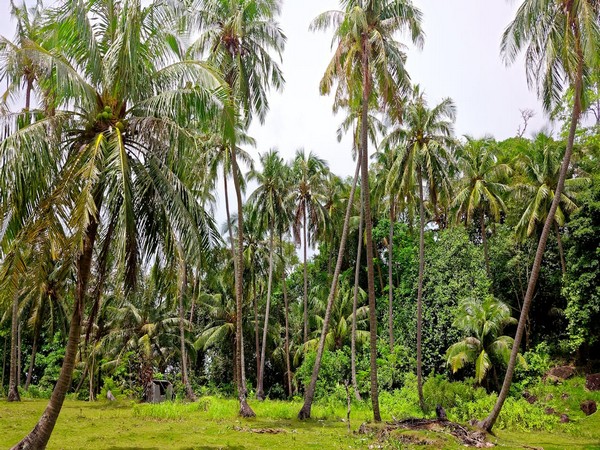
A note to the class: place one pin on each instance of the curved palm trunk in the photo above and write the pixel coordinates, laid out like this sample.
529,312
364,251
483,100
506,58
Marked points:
561,252
189,392
355,303
305,278
420,290
13,386
369,229
490,420
245,410
310,392
39,436
260,394
390,280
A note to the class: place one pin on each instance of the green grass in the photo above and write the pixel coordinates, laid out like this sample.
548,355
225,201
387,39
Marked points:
212,423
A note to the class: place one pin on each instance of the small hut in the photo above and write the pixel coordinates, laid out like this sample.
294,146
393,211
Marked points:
159,391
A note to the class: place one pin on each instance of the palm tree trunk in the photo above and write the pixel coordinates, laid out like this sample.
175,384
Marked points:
189,392
256,336
420,290
245,410
19,354
36,337
485,244
3,365
390,279
91,398
229,229
260,394
305,278
490,420
39,436
310,392
369,226
287,336
355,302
561,252
13,391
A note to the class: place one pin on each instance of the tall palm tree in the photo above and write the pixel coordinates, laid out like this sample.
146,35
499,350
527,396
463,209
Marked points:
238,36
480,188
270,199
423,156
309,173
540,165
123,122
368,64
562,38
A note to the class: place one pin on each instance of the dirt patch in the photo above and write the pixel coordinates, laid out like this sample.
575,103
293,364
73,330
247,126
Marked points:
464,435
260,430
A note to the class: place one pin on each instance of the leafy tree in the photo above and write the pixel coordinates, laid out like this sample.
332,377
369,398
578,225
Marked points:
583,274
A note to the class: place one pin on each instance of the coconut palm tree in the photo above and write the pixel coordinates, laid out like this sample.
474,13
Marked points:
308,174
423,143
484,345
120,133
540,165
562,42
238,36
270,199
480,189
368,64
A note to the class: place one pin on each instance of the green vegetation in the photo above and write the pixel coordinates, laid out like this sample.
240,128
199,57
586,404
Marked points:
119,132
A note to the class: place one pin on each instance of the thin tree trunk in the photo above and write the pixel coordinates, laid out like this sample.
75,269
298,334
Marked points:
355,301
39,436
390,279
245,410
34,346
369,228
13,391
420,290
561,252
310,392
287,336
19,354
256,335
485,244
91,397
305,279
260,394
3,364
490,420
189,392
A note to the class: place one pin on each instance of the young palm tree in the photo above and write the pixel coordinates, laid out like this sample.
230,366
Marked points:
562,38
480,189
423,146
238,36
270,200
369,64
120,135
309,173
540,165
483,323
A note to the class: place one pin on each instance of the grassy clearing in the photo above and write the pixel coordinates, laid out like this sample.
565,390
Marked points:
212,423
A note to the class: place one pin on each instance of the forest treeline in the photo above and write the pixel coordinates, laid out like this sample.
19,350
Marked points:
133,128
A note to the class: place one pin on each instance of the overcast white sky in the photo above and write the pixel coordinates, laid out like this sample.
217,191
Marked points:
460,60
